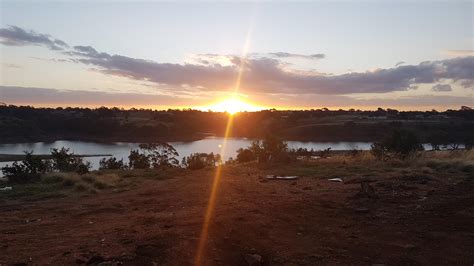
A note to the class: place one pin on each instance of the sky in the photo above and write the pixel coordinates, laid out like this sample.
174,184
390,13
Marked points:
408,55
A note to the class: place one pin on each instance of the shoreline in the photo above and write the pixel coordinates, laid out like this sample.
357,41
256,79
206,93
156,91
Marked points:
19,157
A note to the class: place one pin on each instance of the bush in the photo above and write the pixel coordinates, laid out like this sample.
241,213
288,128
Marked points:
65,161
136,160
111,163
68,182
30,169
201,160
399,143
160,154
83,168
100,185
379,151
271,149
154,155
245,155
52,179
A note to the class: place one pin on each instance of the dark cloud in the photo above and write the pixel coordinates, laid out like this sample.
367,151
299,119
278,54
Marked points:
301,56
16,36
400,63
270,75
441,87
263,74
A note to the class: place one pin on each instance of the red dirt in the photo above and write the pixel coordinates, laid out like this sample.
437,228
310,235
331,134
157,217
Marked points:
305,222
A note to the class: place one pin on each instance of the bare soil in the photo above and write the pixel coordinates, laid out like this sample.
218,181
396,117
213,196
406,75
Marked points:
395,220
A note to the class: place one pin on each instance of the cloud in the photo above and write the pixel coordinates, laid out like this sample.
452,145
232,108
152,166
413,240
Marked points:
269,75
16,36
11,65
460,52
441,87
56,97
300,56
400,63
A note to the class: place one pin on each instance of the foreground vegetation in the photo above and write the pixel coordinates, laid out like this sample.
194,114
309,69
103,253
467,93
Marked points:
422,166
399,152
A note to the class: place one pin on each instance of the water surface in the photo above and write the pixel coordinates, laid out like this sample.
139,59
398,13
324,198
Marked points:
121,150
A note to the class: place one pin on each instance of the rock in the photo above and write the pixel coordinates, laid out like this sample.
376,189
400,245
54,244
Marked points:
253,259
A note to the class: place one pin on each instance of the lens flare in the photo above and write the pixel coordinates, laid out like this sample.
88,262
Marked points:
233,107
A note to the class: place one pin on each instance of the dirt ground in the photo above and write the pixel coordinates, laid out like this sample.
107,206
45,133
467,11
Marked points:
310,221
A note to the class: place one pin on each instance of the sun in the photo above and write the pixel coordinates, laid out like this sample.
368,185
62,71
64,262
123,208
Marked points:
232,106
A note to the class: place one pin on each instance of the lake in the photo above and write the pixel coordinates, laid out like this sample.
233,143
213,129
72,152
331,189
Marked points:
121,150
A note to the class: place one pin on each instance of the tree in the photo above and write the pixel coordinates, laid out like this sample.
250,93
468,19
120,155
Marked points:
65,161
30,169
400,143
160,154
154,155
245,155
201,160
136,160
270,149
111,163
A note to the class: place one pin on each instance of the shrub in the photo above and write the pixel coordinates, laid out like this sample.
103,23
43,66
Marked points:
398,143
324,153
83,168
154,155
136,160
68,182
271,149
379,151
201,160
111,163
100,185
160,154
80,187
88,178
65,161
52,179
245,155
29,169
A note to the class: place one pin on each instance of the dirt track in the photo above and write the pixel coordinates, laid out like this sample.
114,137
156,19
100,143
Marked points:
305,222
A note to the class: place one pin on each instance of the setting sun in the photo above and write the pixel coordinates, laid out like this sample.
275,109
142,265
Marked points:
232,105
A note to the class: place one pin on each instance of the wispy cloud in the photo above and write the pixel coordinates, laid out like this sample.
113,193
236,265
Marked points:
11,65
56,97
16,36
299,56
460,52
441,87
51,96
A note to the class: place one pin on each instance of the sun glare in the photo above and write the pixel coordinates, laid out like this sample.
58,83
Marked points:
232,106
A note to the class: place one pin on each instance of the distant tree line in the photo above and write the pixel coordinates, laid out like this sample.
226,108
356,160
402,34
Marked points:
25,124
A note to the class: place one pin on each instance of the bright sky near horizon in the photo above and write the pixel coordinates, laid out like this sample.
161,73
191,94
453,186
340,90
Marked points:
353,54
